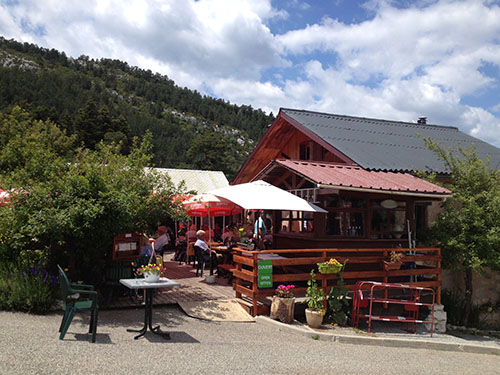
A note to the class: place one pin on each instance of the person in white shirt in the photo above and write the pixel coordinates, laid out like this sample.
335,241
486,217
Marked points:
162,241
200,242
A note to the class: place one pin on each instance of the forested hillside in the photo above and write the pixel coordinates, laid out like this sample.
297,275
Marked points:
111,101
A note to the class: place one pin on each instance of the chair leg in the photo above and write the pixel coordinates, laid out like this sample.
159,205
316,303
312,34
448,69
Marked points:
91,325
69,318
63,319
94,323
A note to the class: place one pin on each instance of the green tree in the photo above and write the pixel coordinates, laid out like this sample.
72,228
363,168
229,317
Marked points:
73,205
468,228
214,150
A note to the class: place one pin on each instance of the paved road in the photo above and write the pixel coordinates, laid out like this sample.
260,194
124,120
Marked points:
29,345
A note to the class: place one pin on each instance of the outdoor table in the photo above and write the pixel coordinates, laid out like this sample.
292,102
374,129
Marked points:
148,307
225,251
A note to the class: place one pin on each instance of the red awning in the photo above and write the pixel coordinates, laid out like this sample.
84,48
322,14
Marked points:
346,177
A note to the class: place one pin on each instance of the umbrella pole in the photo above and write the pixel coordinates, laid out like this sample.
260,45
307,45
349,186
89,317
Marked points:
210,243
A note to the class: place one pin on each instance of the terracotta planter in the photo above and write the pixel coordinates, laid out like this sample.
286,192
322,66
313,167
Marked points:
314,318
282,309
391,266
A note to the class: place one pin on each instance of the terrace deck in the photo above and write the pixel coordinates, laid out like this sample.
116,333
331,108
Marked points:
192,288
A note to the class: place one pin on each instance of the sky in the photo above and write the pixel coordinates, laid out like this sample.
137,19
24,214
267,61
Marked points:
394,60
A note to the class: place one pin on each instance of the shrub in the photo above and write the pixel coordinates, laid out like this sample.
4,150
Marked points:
454,305
26,289
315,295
337,299
75,204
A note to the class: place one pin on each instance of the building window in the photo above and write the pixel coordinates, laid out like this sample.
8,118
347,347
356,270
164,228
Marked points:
305,151
297,222
387,222
346,216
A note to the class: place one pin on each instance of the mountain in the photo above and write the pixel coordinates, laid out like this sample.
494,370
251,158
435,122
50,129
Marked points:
109,100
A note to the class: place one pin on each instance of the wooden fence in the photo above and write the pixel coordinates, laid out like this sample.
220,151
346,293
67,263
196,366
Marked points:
421,267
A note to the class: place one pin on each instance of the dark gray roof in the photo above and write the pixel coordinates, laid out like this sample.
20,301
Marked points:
389,145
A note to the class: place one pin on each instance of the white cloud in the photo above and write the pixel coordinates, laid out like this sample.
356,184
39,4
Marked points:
399,64
407,62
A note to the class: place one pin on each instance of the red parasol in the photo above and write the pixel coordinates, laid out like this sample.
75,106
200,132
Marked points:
209,205
202,205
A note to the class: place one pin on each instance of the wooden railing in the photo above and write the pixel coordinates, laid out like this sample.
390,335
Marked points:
422,268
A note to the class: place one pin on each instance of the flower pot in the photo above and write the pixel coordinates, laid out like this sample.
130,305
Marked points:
314,318
210,279
326,268
391,266
283,309
150,277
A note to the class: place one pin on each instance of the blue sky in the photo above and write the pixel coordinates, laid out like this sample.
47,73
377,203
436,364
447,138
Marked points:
395,60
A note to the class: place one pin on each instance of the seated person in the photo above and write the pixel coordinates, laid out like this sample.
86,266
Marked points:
162,241
200,242
235,233
146,248
217,233
191,233
226,236
181,246
209,233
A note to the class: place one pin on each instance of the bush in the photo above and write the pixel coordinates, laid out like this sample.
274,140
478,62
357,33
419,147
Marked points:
26,289
454,305
70,201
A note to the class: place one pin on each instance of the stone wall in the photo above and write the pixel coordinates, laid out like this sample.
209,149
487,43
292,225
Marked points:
486,289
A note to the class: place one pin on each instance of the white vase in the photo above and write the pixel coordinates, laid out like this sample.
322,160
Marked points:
150,277
314,318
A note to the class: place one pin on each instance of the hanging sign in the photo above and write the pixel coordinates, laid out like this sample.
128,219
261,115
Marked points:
265,274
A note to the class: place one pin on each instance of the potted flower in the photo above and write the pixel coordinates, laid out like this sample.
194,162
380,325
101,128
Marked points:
315,310
332,266
151,272
395,261
283,305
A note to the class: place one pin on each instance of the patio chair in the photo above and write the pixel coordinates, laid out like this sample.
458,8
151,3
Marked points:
200,260
190,254
71,306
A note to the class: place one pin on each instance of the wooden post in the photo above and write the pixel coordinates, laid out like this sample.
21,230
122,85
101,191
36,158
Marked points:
386,279
255,289
438,289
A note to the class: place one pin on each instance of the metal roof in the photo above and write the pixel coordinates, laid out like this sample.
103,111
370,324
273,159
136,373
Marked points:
388,145
196,180
345,177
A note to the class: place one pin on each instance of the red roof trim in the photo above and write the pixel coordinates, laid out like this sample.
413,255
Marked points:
339,175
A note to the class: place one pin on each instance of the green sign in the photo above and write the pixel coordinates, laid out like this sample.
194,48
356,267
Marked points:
265,274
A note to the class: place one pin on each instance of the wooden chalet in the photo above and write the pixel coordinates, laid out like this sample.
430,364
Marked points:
361,170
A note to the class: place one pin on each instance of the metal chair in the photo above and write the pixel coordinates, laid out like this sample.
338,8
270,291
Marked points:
72,306
200,260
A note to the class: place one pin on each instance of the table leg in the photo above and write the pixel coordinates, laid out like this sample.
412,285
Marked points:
143,330
148,319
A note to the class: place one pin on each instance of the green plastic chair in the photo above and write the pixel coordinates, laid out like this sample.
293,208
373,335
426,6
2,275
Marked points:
71,306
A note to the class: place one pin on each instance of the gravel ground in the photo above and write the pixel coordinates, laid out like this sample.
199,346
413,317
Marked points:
29,344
